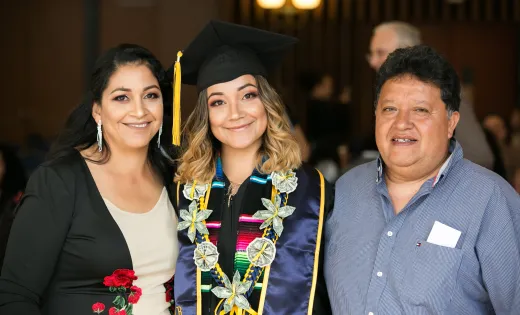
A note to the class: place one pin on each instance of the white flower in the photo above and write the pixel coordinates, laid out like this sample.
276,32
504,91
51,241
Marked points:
193,219
261,252
285,182
206,256
198,191
233,293
273,214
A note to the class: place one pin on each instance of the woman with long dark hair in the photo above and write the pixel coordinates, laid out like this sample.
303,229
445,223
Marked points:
12,184
95,229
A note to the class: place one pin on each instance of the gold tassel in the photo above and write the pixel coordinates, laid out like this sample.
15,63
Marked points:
177,78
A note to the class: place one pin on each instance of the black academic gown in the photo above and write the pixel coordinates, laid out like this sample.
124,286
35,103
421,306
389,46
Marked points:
227,209
63,243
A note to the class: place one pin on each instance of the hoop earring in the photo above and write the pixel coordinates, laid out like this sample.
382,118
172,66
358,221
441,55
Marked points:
159,137
99,136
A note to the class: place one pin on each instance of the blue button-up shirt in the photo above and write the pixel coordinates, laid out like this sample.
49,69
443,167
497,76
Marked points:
377,262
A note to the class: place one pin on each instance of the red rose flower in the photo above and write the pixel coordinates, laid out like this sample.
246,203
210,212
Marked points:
18,197
169,290
135,295
114,311
169,295
120,278
98,307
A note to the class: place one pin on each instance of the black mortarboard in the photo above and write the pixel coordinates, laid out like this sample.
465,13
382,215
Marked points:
222,52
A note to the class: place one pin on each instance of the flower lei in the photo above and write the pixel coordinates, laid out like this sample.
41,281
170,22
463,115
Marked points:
120,281
260,252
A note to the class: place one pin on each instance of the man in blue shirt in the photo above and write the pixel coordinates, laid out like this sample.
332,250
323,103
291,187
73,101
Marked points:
421,230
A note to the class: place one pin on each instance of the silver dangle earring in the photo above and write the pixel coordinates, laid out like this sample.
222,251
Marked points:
159,137
99,136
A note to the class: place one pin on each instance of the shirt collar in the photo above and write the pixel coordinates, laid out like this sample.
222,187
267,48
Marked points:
456,154
442,171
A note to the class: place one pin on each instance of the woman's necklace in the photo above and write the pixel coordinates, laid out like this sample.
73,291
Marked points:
232,190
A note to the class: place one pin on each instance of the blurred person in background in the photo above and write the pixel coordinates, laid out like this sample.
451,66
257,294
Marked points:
498,165
516,180
389,36
12,185
514,124
299,135
95,231
303,143
33,152
343,150
499,127
327,122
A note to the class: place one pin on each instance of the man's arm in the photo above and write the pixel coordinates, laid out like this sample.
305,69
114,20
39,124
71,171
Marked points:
498,250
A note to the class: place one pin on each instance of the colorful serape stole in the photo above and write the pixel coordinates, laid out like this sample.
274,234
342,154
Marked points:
249,229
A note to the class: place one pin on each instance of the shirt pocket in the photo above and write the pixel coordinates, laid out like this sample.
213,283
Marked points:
429,283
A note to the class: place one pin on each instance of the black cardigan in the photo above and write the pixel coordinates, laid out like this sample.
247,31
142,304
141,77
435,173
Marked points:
63,243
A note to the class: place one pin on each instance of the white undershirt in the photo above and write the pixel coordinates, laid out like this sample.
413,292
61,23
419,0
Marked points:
152,240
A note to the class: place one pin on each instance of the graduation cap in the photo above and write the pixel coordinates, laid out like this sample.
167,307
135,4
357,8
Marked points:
222,52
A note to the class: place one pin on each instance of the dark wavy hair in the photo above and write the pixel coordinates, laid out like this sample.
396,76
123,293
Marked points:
425,64
80,130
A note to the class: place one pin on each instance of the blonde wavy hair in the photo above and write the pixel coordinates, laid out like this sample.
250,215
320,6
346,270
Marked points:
200,150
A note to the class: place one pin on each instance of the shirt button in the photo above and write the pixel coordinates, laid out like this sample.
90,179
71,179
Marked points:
389,233
370,313
379,274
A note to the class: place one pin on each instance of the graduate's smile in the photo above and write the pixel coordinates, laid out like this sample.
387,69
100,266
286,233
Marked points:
240,127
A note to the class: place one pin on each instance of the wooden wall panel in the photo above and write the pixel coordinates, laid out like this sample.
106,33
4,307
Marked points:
43,66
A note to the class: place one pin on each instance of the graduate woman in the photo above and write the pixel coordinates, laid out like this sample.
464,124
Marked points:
250,214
